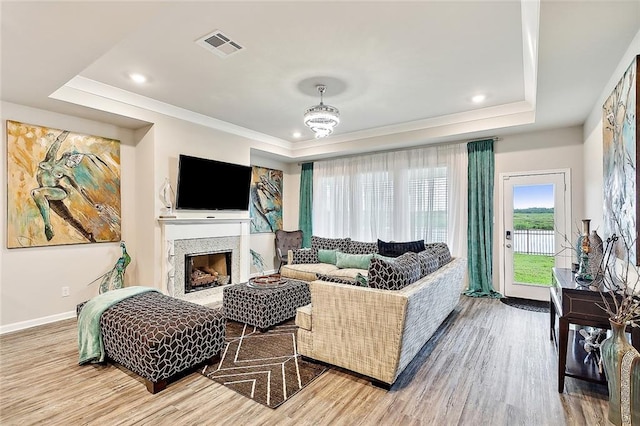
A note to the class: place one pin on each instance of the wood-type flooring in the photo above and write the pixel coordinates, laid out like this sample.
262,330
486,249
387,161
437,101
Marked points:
489,364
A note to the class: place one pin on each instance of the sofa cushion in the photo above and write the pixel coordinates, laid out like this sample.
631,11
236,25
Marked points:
396,274
359,247
428,262
441,251
358,261
340,244
327,256
395,249
305,255
308,271
350,273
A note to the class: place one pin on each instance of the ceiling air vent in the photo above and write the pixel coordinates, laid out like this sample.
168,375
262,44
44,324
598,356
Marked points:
218,43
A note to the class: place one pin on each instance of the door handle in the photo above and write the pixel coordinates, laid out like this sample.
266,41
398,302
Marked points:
508,245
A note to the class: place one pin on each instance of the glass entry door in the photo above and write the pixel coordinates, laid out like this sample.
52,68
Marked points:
535,223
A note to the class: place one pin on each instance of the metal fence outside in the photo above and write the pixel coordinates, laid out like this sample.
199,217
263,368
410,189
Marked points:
533,241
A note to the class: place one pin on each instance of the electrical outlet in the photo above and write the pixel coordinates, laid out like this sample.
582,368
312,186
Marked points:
65,291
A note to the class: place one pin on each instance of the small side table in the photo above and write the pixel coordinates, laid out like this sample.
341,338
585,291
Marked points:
574,304
264,307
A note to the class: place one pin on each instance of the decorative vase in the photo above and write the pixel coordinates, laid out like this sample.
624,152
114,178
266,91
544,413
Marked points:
167,196
622,369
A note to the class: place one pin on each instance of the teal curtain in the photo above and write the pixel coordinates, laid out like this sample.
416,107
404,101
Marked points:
306,203
480,229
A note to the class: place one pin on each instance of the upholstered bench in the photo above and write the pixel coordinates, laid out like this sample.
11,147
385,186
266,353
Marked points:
157,336
264,307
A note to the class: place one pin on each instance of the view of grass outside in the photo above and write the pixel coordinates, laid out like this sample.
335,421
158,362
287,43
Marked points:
533,268
533,218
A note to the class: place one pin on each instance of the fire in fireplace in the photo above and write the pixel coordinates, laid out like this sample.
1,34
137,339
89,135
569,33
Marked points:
207,270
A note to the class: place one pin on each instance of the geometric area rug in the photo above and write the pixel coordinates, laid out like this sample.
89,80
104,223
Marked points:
263,366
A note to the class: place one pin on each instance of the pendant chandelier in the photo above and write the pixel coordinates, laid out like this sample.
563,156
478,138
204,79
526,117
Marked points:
321,118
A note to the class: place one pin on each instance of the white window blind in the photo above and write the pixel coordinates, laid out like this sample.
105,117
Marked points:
400,196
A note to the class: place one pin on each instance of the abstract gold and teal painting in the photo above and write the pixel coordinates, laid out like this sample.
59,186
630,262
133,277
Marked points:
620,150
265,208
62,187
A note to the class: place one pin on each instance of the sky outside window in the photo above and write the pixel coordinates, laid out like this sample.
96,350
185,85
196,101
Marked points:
527,196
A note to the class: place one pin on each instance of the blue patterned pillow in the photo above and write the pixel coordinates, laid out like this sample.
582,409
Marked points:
395,249
340,244
359,247
305,255
428,262
441,251
396,274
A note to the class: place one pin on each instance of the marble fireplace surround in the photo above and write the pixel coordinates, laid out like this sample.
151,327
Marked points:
198,236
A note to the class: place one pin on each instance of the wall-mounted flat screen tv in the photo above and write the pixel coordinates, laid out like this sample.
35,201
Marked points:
212,185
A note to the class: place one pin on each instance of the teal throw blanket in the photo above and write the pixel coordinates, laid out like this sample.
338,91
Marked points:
90,343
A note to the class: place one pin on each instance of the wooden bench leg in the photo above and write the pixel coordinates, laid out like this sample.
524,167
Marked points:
155,387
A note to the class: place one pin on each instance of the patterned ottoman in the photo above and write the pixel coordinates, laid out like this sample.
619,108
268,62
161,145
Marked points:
264,307
157,336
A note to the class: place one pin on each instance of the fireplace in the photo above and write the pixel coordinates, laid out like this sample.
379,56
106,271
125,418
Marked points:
225,239
207,270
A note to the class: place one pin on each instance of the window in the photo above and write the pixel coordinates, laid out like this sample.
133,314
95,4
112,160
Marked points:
401,196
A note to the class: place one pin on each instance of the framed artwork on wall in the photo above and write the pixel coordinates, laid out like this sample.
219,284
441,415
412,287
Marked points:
62,187
265,206
620,156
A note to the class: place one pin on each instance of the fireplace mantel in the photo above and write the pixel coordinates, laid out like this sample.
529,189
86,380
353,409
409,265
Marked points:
199,220
180,232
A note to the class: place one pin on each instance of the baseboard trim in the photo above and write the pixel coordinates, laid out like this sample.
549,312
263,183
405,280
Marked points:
9,328
17,326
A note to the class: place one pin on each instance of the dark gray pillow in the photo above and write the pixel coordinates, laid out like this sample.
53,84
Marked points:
340,244
359,247
441,251
428,262
396,274
305,255
395,249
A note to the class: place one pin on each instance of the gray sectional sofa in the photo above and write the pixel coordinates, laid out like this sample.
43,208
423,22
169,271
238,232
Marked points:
376,326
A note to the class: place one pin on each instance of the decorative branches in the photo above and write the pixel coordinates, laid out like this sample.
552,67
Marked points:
623,307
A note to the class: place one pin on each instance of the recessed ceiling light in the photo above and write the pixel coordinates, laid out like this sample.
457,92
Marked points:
138,78
296,134
479,98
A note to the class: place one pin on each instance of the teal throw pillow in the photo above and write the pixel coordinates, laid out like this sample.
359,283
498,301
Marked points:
362,280
358,261
327,256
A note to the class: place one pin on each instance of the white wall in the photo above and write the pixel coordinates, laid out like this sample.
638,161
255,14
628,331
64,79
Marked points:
547,150
32,278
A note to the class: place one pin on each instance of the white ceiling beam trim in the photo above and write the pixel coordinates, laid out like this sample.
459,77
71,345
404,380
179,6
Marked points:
511,113
530,10
129,98
420,137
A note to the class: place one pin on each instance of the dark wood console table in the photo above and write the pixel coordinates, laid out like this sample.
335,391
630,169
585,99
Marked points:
574,304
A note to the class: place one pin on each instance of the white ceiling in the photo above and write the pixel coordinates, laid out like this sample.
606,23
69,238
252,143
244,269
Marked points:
390,67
